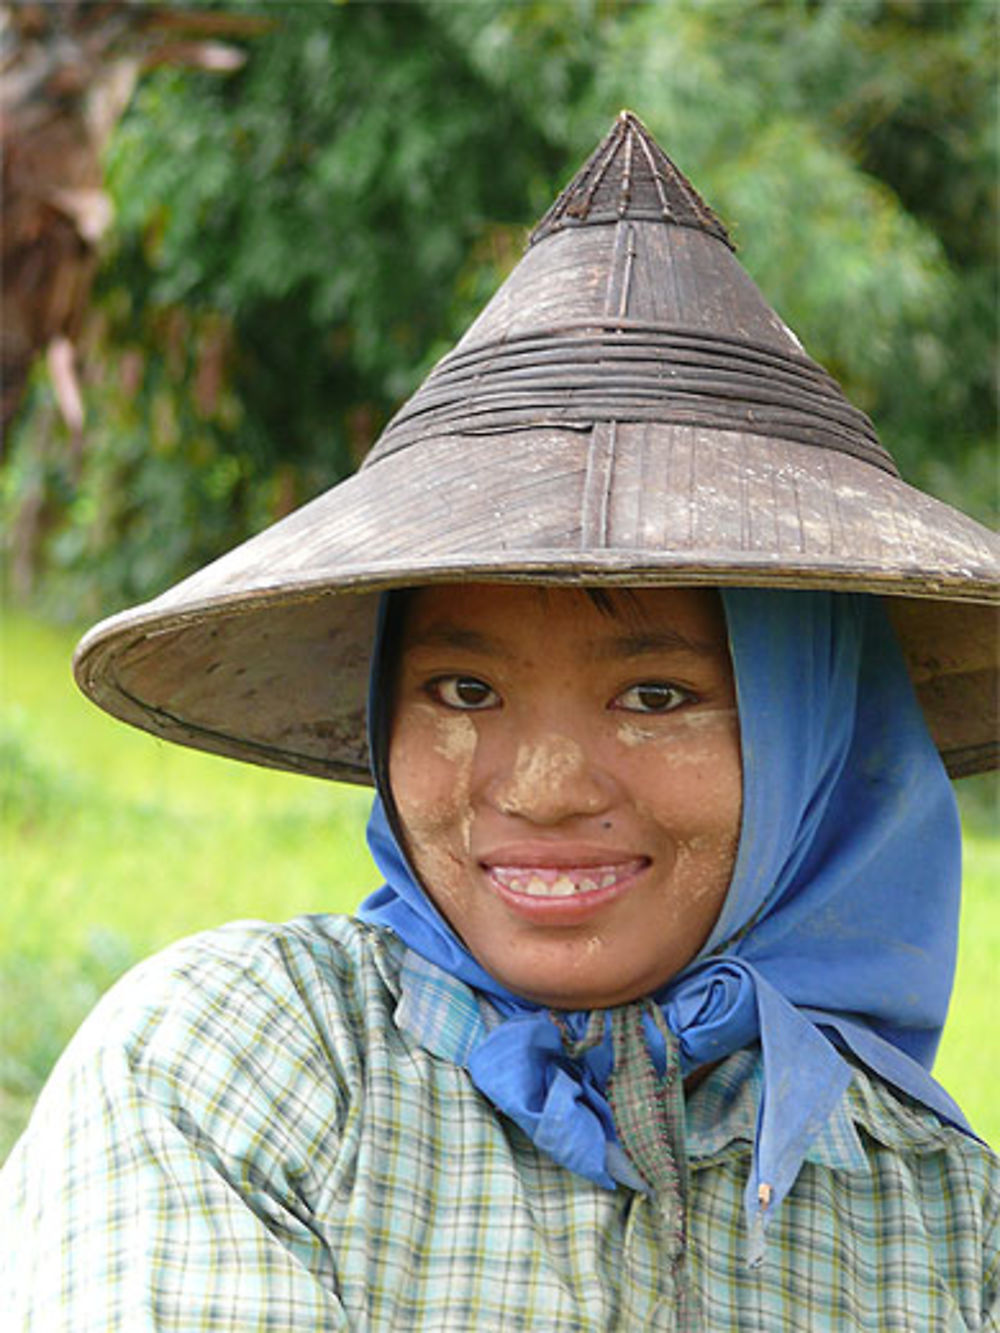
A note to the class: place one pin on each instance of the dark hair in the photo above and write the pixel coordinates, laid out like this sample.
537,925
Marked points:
385,674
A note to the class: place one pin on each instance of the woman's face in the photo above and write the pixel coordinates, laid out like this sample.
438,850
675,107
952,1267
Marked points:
568,780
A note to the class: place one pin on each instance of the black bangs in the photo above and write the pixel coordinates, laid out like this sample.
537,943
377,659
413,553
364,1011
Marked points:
609,601
386,655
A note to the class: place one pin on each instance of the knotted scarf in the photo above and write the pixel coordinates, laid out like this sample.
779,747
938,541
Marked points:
838,932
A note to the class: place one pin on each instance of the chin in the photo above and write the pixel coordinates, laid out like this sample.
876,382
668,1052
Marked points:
572,992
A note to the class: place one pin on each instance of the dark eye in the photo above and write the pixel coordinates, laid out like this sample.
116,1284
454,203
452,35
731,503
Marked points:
464,692
652,696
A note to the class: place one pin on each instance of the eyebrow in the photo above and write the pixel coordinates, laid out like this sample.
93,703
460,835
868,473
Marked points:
641,643
443,634
645,643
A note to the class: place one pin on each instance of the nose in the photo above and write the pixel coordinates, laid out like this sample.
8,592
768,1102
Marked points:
550,779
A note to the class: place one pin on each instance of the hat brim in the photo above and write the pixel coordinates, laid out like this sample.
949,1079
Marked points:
264,655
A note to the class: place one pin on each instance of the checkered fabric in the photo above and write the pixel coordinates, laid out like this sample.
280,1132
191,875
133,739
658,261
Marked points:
649,1118
241,1137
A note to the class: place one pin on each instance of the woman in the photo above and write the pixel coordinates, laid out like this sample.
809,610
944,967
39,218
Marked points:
637,1032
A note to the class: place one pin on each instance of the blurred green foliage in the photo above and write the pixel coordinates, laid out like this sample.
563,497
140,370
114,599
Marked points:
297,243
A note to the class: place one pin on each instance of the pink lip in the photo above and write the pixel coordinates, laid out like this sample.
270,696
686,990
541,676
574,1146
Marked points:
508,869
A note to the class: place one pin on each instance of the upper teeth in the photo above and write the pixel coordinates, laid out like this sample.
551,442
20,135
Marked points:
561,883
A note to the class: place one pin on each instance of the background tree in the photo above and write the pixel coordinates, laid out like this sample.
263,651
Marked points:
296,244
69,70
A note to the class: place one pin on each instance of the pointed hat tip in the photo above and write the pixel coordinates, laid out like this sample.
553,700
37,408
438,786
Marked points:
629,177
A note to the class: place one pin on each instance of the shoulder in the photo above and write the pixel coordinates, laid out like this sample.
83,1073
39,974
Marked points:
878,1145
952,1176
933,1193
248,966
257,950
874,1119
232,1014
210,1093
894,1122
892,1209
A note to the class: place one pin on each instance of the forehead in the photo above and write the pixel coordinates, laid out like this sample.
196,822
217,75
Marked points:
482,615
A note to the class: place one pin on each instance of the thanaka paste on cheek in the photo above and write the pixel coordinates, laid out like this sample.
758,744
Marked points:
429,813
455,739
714,858
679,730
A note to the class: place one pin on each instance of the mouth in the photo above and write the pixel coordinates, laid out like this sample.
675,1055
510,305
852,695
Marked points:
564,881
568,893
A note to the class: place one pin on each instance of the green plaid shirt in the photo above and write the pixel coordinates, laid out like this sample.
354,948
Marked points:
242,1137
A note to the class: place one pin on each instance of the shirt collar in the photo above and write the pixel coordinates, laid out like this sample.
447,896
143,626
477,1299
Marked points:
449,1019
722,1111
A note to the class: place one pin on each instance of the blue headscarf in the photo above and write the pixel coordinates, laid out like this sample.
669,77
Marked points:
839,928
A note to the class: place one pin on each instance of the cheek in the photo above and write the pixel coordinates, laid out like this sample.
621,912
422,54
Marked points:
714,788
686,739
431,758
693,780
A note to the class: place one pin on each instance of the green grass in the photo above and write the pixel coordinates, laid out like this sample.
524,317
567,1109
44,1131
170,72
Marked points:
112,844
968,1062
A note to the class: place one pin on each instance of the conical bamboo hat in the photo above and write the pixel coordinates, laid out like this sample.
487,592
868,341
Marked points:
627,409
